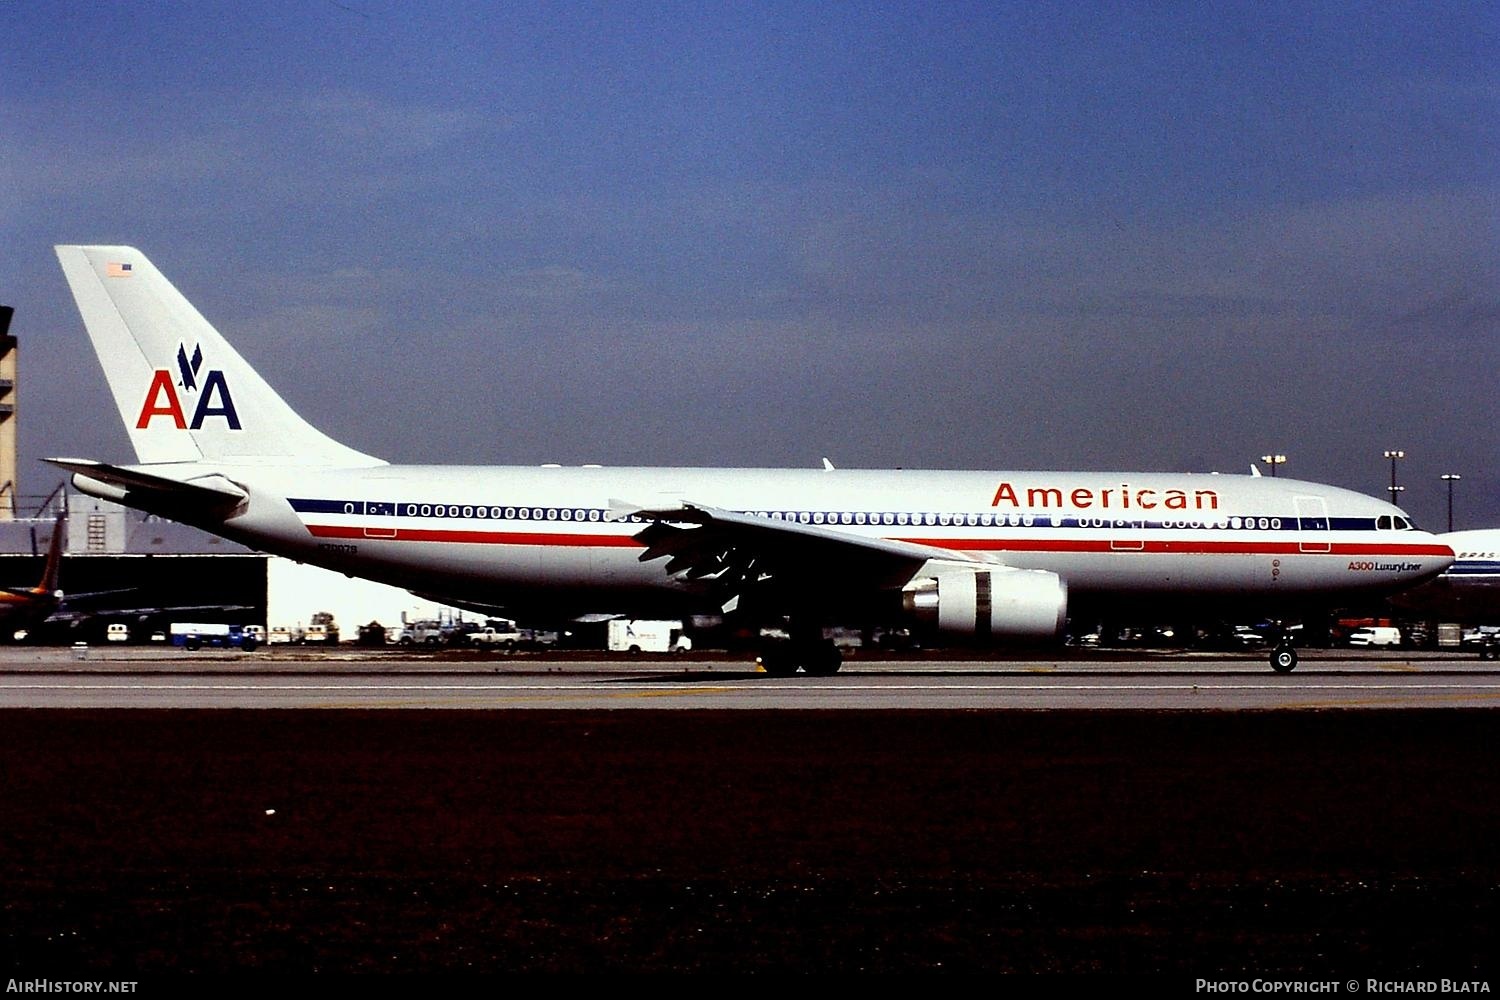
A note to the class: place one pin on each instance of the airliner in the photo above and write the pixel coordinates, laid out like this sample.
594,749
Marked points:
978,556
1468,592
26,607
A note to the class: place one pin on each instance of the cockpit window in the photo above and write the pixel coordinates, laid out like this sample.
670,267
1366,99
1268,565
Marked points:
1393,522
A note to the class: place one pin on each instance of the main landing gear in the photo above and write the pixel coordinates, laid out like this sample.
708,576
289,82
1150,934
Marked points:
818,657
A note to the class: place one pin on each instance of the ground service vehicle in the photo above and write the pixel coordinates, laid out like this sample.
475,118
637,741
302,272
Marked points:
1375,635
643,636
424,632
497,633
195,635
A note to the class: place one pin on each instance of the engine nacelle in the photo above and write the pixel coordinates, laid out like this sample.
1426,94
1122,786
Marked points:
984,601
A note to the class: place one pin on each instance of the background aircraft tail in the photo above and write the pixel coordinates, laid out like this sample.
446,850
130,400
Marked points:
52,571
185,395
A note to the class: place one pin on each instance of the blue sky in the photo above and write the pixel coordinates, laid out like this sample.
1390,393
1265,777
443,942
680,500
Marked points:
1095,236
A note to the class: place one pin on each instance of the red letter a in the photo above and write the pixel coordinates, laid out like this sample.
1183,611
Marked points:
161,384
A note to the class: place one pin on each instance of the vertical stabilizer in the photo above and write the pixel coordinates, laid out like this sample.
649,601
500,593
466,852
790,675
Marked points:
52,570
185,395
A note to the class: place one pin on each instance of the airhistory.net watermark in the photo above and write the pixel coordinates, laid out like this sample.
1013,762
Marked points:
69,986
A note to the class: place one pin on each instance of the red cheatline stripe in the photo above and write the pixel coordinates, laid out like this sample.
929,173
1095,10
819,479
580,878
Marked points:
1158,547
1180,547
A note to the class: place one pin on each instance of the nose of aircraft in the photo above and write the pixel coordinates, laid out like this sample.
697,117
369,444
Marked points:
1428,559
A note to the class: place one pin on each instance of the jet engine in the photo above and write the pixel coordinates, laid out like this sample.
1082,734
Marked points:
987,601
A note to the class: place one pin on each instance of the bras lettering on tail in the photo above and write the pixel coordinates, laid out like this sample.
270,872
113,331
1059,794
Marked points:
213,397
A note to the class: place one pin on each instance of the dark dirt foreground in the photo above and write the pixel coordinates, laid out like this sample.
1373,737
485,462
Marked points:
1337,844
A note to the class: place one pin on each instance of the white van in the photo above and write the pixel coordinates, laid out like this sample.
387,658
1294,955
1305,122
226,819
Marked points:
117,632
1376,635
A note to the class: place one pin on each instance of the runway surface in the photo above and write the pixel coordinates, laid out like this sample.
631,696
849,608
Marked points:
137,678
1329,835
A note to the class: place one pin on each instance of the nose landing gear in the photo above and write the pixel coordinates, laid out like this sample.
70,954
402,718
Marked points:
1283,658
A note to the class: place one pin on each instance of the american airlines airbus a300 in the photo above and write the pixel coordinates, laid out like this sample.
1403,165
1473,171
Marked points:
979,555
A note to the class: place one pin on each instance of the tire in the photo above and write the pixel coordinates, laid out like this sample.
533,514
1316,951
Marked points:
192,643
822,659
1284,659
778,663
249,645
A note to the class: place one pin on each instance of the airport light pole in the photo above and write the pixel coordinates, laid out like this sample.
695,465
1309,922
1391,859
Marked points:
1450,478
1273,461
1393,456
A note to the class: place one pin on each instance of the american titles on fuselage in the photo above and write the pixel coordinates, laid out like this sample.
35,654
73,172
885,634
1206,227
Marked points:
1084,498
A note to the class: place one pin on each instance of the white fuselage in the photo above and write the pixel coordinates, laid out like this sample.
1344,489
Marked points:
550,537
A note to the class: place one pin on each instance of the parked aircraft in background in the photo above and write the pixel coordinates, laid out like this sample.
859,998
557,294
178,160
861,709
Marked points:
977,555
1467,592
26,610
27,607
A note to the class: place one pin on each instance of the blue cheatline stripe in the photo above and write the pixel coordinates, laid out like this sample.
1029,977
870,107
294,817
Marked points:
1475,567
879,519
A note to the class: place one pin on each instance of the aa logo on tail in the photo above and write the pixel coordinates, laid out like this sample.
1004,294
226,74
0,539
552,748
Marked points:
213,399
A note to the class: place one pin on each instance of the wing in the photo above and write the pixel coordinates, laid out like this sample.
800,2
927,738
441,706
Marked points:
737,554
74,615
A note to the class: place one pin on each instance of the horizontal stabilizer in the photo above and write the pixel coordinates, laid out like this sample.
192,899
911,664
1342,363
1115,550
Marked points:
202,496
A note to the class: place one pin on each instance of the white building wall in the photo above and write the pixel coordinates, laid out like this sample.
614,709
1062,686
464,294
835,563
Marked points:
296,591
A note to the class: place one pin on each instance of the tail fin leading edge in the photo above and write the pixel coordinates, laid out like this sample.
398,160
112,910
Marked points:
184,394
52,570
